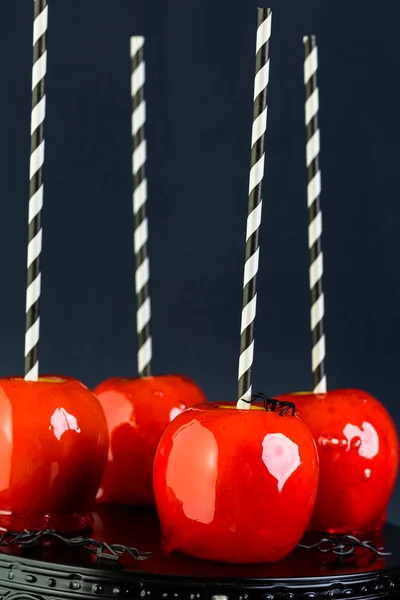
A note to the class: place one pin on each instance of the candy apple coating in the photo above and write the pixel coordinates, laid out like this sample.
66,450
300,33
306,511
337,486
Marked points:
53,448
138,410
186,389
235,485
359,457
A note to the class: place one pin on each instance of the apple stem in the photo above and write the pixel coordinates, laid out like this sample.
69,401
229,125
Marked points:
271,404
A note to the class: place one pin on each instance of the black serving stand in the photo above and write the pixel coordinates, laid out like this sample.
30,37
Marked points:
55,569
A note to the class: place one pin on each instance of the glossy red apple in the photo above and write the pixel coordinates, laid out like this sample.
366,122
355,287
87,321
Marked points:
359,456
235,485
53,448
138,410
186,389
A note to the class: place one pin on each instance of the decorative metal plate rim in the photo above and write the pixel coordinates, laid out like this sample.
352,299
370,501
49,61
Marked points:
99,575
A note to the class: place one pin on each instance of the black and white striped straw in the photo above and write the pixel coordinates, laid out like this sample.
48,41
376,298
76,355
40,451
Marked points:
254,208
142,276
314,214
36,190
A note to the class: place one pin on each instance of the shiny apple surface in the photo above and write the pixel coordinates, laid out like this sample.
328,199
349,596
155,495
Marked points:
235,485
53,448
359,456
186,389
138,410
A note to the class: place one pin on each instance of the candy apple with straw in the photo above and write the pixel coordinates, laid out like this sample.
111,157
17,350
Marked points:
356,438
233,484
139,409
53,432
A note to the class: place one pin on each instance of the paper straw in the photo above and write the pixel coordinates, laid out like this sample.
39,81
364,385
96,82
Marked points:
254,207
143,310
36,190
314,214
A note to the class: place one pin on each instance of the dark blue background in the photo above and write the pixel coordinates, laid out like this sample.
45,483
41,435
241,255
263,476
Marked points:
200,64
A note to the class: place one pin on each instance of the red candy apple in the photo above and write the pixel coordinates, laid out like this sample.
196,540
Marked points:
186,389
235,485
138,411
359,455
53,448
